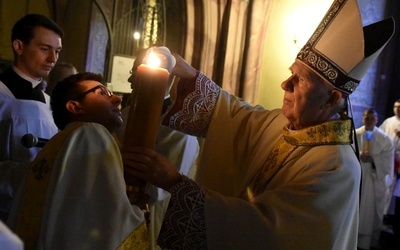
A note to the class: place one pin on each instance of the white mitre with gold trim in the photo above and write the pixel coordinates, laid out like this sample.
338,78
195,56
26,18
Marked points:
341,49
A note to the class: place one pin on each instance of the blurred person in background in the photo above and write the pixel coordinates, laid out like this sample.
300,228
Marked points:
59,72
376,154
391,126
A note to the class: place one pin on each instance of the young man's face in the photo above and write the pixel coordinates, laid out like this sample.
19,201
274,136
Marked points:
37,58
370,120
99,105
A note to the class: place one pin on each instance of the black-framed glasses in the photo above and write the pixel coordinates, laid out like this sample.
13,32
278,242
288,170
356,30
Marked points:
104,91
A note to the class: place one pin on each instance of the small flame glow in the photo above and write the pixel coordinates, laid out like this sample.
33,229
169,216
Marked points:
136,35
153,61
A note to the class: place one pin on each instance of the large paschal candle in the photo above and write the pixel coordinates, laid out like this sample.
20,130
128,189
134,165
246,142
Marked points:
145,115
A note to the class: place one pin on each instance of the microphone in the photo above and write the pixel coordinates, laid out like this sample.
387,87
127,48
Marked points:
30,141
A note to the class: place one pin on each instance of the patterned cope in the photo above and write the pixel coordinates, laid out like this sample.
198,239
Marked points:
185,219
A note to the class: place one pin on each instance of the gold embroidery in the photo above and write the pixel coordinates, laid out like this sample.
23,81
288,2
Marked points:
319,62
329,133
137,239
34,194
281,151
32,203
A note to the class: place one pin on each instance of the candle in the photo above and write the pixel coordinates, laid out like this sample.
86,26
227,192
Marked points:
145,110
144,115
368,137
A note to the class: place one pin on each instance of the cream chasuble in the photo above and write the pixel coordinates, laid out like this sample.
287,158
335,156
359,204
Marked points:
329,133
306,182
74,195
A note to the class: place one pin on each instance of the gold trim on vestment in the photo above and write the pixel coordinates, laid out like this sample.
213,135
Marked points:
32,203
335,132
137,239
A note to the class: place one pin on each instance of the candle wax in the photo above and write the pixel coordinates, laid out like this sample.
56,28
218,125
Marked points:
144,117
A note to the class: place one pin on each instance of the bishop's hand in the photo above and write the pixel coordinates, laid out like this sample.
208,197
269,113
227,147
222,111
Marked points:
151,166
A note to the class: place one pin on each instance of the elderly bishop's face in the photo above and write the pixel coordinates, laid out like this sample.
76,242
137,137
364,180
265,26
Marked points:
306,98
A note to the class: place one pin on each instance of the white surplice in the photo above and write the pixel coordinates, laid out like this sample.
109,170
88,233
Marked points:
389,126
18,118
9,240
376,179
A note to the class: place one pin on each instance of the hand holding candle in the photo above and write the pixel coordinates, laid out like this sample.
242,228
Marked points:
145,111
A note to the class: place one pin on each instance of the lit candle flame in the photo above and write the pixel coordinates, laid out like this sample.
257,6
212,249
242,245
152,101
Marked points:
153,61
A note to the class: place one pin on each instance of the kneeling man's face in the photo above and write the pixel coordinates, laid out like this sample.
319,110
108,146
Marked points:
98,104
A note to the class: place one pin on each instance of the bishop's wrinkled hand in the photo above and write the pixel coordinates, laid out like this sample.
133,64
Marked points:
151,166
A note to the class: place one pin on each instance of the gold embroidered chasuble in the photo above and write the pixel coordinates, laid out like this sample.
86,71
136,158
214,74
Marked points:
329,133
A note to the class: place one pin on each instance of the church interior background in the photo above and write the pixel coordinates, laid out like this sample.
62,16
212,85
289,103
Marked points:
246,46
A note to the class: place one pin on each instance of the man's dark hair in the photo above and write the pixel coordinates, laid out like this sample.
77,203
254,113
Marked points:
370,111
66,90
23,28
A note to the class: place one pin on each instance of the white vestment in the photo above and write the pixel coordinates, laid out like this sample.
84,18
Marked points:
18,118
9,240
375,181
84,205
389,126
307,201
